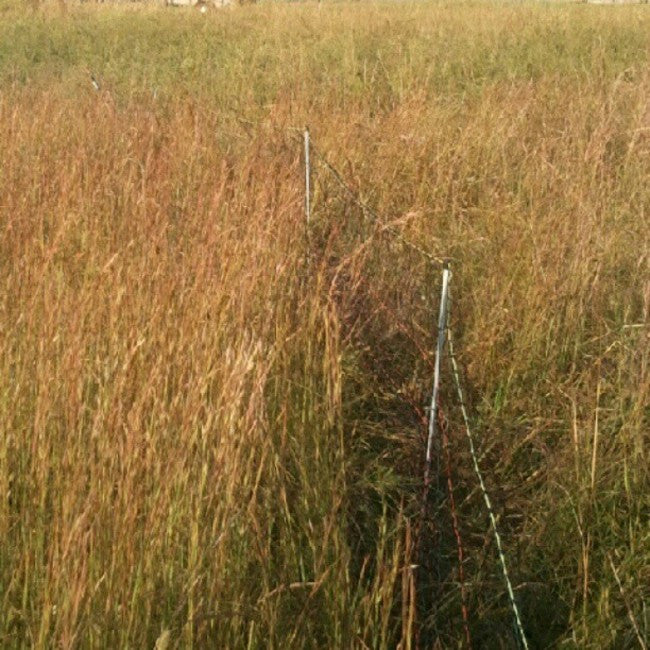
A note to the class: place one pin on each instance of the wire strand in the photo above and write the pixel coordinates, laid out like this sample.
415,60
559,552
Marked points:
373,213
444,322
486,496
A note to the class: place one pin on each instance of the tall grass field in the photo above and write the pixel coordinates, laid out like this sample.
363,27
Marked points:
213,415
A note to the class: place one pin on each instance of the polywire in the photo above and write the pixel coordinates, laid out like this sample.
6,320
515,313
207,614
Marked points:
486,496
366,208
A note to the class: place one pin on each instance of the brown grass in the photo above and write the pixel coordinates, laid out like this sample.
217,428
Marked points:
206,438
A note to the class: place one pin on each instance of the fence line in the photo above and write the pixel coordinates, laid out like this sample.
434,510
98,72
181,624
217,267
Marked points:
486,495
444,333
373,213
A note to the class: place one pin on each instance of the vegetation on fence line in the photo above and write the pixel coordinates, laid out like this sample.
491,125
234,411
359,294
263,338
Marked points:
204,439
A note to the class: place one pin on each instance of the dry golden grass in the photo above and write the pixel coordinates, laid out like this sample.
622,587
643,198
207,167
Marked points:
209,441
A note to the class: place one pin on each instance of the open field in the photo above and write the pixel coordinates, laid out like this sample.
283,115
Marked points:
210,438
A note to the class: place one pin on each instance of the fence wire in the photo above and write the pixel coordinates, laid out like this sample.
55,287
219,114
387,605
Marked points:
444,331
377,218
486,496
